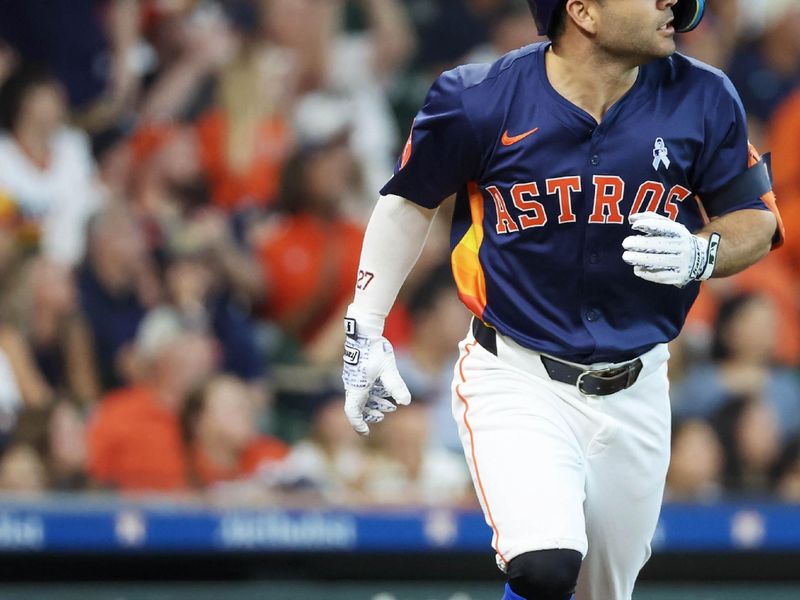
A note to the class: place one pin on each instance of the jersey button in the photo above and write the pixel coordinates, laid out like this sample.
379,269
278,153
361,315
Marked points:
592,315
595,160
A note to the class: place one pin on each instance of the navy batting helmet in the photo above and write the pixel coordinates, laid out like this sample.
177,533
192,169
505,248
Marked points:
687,13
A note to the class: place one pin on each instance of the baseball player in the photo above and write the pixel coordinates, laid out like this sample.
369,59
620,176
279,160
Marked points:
599,177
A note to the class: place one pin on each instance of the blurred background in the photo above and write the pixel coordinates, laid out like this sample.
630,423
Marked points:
184,186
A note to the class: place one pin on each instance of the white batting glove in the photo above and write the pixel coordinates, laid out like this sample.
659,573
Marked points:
370,375
667,252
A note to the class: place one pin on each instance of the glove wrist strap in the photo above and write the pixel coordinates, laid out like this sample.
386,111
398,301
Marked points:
712,247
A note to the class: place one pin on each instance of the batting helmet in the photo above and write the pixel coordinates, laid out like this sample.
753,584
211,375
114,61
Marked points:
687,13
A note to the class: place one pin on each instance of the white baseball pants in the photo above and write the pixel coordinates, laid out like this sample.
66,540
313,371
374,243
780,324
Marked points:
555,469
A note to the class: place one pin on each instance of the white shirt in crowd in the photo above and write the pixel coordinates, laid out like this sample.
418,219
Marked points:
60,197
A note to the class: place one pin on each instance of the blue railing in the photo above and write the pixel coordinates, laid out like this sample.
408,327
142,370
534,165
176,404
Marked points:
81,525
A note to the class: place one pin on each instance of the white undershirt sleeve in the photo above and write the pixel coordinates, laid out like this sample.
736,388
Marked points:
395,235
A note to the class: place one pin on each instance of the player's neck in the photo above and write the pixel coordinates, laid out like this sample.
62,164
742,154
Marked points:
589,80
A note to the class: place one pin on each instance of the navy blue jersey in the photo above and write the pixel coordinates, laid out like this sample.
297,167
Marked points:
544,193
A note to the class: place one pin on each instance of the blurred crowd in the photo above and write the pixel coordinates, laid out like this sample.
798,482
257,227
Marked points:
184,186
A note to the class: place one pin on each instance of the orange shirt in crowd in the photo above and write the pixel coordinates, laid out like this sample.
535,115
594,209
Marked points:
304,259
784,143
135,444
258,183
260,451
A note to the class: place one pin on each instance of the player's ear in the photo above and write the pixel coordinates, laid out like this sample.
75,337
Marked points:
583,13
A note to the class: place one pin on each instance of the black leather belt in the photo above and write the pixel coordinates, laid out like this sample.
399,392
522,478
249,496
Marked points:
601,382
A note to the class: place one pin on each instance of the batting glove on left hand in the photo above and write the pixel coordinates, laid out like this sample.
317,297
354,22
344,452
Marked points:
370,375
667,252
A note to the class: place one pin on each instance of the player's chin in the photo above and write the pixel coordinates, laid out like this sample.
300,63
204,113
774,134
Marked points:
664,47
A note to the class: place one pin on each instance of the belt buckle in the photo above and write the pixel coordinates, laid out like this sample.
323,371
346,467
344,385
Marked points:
579,381
627,369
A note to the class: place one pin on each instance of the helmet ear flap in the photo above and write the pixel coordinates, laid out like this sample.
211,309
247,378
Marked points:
688,14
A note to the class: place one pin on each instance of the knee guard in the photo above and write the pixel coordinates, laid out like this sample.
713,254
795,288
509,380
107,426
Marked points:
545,574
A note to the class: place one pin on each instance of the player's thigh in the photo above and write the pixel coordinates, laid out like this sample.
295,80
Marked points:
525,462
625,485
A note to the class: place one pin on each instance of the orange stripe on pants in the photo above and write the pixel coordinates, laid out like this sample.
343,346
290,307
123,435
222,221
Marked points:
496,545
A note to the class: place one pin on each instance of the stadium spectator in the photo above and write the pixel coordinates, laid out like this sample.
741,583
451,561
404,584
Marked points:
65,452
220,428
95,53
189,43
743,364
245,139
197,292
438,323
696,463
322,118
309,253
118,283
46,167
135,440
164,177
404,469
50,341
329,462
167,188
773,278
22,470
56,434
356,66
749,431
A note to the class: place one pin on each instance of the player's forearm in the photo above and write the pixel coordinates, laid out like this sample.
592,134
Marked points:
745,238
394,239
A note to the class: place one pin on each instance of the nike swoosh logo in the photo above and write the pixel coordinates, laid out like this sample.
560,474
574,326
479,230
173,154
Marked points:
508,140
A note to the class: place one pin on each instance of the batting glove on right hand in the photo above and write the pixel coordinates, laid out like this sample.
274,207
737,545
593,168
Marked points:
664,251
370,376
